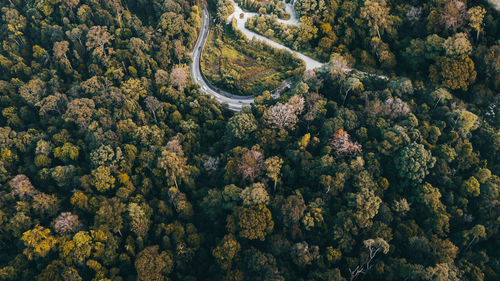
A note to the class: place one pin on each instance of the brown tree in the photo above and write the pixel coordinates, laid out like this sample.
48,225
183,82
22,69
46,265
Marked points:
178,78
453,15
251,164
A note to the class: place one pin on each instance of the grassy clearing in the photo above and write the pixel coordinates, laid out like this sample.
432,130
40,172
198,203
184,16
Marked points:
245,67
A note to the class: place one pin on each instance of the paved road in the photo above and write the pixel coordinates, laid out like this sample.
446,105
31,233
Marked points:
293,20
234,102
240,24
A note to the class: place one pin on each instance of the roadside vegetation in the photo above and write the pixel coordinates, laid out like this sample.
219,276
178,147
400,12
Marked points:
243,67
271,7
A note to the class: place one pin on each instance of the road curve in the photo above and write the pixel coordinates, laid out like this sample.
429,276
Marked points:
240,25
234,102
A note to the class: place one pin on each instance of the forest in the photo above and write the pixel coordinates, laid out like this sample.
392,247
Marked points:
115,166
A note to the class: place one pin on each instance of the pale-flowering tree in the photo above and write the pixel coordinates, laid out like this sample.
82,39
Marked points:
211,164
178,78
152,104
342,145
22,187
66,222
284,116
395,108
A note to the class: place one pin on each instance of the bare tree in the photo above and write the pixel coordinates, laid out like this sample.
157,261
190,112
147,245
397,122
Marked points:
374,246
152,104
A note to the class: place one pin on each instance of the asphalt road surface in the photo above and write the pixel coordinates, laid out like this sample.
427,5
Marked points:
234,102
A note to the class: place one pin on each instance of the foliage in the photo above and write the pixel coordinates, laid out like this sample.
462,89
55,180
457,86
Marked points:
115,166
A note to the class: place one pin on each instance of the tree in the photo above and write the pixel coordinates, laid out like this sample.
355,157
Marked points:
303,255
255,194
60,49
307,31
226,251
97,39
251,164
80,111
341,144
284,116
395,108
378,16
453,15
102,179
33,91
292,210
351,84
401,87
178,78
273,168
457,45
413,162
109,215
161,77
22,187
464,121
455,73
366,205
38,241
152,104
45,204
174,165
470,187
254,222
374,246
140,222
242,125
134,89
153,265
66,223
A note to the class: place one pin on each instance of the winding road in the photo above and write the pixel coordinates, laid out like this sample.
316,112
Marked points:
235,102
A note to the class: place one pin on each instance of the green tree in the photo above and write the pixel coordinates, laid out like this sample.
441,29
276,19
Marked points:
273,168
378,16
470,187
455,73
242,125
102,179
153,265
413,162
254,222
226,251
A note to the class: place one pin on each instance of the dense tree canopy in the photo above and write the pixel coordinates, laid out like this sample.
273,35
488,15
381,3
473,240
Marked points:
114,165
